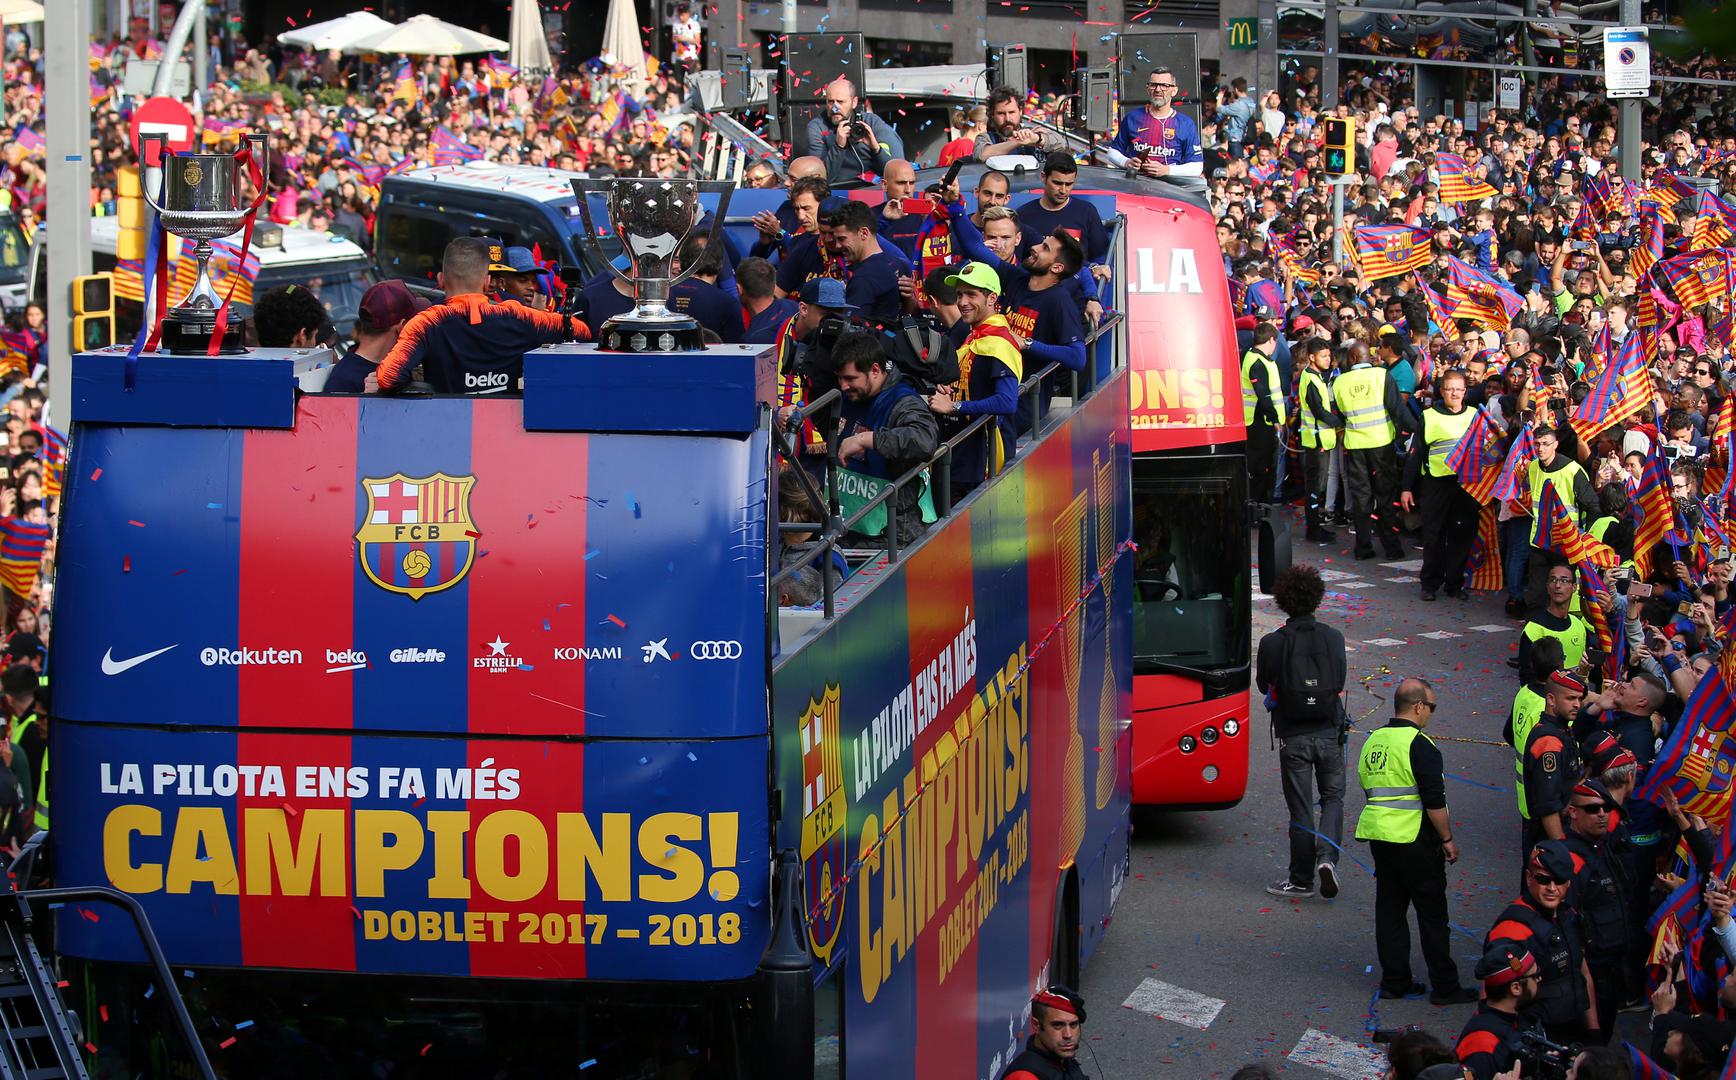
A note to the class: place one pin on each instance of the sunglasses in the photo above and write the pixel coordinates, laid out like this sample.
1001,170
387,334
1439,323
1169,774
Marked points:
1433,705
1594,807
1547,879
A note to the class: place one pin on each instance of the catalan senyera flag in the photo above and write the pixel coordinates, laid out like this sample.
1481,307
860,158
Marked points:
1714,222
1471,294
1456,182
21,547
1384,251
1651,246
1698,277
1622,389
1483,570
1556,531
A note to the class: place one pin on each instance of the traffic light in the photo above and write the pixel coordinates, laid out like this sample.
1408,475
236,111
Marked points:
93,312
1339,146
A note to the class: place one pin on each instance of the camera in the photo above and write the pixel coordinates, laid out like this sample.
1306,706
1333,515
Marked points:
1546,1060
859,124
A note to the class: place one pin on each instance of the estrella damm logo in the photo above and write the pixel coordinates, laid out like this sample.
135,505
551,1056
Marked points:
416,535
823,813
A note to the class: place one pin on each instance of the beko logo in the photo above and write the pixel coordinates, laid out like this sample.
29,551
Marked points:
492,380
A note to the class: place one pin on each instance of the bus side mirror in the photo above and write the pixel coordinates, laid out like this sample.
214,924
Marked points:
1274,543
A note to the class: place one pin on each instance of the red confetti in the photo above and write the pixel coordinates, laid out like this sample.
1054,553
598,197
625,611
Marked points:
289,20
473,534
226,1043
178,573
103,1010
427,1048
89,915
97,475
126,564
90,1046
63,984
135,524
292,811
616,619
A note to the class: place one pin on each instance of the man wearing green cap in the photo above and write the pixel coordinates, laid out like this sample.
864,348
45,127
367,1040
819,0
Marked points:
990,366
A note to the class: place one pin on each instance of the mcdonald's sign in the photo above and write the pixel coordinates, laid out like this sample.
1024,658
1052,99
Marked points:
1241,34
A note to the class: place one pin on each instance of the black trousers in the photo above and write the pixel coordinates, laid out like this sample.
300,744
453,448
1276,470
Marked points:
1406,876
1449,529
1371,477
1262,460
1315,465
1609,980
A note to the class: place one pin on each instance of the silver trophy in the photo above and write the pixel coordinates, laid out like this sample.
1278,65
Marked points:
652,217
202,200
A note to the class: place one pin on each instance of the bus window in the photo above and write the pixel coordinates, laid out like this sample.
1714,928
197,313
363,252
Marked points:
411,243
1191,607
14,251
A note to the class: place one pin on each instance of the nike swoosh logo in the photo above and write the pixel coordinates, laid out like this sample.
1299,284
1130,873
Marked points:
111,666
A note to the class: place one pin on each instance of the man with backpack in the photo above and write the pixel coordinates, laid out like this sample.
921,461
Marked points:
1301,669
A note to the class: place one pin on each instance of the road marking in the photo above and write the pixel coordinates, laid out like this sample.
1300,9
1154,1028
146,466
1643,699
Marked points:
1409,566
1439,635
1494,628
1340,1057
1402,578
1337,575
1174,1003
1386,641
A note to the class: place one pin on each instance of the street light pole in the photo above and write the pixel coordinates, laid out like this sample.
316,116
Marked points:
65,48
1628,127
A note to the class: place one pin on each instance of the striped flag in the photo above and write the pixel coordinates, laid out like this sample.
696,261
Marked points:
17,352
226,264
1644,1067
21,546
53,460
216,129
1651,246
99,93
1555,531
1698,277
449,149
1623,388
1669,191
1607,625
1384,251
1467,458
1654,507
613,110
1482,298
29,139
500,73
1457,184
1483,569
1698,758
1510,485
1291,260
404,83
1714,222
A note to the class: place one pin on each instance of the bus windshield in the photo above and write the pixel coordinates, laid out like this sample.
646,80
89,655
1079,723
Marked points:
1191,607
339,286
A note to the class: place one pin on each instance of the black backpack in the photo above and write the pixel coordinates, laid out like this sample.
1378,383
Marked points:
1307,694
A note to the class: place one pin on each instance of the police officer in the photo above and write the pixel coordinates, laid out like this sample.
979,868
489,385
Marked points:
1600,894
1403,778
1262,409
1320,428
1374,415
1449,512
1057,1015
1541,922
1491,1040
1550,764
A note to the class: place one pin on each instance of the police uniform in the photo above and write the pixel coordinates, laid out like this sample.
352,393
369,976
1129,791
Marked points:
1448,510
1548,770
1319,423
1263,414
1402,775
1600,894
1369,404
1035,1063
1493,1039
1555,940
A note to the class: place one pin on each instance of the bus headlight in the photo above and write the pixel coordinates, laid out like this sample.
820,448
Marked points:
1189,744
1232,727
1209,736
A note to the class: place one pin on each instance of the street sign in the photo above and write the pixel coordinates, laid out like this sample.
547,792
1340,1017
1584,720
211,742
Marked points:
1512,91
1627,62
140,75
167,116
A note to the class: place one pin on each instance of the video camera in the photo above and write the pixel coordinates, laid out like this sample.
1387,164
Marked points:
1545,1060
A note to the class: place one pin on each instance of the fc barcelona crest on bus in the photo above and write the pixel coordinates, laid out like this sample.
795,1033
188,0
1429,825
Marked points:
416,535
823,813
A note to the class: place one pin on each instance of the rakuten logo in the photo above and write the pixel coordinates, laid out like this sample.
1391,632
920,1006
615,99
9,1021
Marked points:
417,656
493,380
211,657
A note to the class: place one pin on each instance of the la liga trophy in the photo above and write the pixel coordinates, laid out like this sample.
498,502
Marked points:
201,200
652,216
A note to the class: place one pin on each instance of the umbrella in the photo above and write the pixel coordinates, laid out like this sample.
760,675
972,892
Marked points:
18,12
621,39
424,35
334,33
530,46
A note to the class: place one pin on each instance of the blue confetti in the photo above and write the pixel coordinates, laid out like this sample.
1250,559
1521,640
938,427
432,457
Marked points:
633,501
691,756
522,666
593,553
244,1025
75,157
213,506
149,990
585,1065
545,625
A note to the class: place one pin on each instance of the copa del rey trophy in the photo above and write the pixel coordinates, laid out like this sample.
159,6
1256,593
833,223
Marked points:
201,200
652,216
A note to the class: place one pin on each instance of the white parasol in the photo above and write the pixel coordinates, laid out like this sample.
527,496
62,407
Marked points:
18,12
530,45
424,35
621,40
335,33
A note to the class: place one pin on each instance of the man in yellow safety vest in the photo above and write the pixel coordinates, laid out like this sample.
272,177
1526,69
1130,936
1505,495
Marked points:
1263,411
1320,431
1374,416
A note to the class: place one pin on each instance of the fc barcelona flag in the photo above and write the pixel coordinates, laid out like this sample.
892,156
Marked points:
1555,531
1482,298
1622,389
1714,223
1457,183
1384,251
404,83
1698,759
1651,246
1699,277
1655,509
1483,571
21,548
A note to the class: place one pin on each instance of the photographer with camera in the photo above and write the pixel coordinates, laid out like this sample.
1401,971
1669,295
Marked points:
849,139
1492,1041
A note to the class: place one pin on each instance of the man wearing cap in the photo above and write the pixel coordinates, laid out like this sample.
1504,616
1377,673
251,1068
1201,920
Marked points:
385,308
1541,922
514,276
1550,761
990,367
1600,893
1491,1041
1408,831
1057,1017
468,344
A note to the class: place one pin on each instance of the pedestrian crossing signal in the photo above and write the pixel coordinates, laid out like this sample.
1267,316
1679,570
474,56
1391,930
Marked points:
1338,151
93,312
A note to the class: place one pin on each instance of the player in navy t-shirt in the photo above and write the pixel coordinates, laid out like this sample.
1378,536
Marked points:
1156,139
871,272
1057,209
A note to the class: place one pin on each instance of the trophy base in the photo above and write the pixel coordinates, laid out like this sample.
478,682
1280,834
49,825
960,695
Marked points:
190,335
623,333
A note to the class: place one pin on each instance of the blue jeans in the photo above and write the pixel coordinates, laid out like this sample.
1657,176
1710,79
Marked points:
1515,552
1304,761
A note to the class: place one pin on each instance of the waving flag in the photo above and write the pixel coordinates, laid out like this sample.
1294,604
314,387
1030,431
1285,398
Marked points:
1698,758
1511,484
1555,531
29,139
1651,246
1457,184
1644,1067
1466,458
1669,190
1291,260
1484,299
614,111
449,149
1432,300
500,73
1384,251
1601,197
1654,505
1483,570
18,351
1699,277
53,460
1621,391
1714,222
217,129
404,83
21,547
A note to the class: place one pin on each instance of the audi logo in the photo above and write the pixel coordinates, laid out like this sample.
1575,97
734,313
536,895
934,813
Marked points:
715,650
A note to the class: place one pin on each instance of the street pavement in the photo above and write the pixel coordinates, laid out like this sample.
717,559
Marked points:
1203,972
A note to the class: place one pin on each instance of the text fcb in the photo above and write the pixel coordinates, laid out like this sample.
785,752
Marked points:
416,535
715,650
